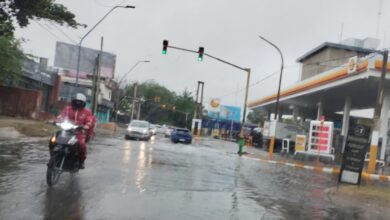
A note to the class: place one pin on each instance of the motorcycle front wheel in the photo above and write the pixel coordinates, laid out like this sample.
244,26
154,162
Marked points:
53,170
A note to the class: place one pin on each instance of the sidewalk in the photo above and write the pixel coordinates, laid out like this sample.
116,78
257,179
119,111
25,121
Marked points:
312,164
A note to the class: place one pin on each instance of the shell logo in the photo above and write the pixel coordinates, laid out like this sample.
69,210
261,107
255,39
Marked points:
214,103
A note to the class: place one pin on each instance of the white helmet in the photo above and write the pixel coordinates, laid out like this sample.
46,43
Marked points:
79,101
81,97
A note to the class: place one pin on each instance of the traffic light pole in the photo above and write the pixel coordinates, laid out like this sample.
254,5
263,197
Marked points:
247,70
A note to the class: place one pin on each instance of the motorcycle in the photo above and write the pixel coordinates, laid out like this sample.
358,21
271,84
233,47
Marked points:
64,152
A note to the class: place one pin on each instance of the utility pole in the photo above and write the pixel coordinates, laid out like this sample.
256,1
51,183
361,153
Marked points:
134,100
201,100
139,110
196,102
377,115
96,79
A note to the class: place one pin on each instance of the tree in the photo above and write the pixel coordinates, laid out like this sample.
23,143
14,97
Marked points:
257,116
11,59
160,105
22,11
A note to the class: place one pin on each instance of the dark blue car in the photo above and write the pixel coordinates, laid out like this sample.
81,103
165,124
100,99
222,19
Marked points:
182,135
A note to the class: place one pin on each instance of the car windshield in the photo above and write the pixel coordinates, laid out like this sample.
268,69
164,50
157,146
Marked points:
139,124
182,131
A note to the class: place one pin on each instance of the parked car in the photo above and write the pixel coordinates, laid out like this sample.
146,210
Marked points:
181,135
160,129
153,129
168,131
139,130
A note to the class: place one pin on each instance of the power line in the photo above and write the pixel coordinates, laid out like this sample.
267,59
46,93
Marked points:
47,30
63,33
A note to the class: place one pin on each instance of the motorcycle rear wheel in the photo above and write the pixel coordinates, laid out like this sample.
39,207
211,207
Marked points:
53,170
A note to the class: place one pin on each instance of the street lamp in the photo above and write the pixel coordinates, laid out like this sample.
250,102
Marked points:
272,142
82,39
131,69
280,77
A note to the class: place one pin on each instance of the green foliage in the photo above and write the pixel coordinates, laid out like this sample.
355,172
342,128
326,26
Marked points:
178,107
11,59
257,116
22,11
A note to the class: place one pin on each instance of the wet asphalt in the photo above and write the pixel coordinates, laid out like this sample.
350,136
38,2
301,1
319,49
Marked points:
160,180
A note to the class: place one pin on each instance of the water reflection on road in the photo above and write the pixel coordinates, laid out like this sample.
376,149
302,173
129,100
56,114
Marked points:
161,180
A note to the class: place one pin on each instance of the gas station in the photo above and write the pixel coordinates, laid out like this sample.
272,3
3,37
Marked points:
336,79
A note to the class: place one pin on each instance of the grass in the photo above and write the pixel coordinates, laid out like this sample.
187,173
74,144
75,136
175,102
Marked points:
27,127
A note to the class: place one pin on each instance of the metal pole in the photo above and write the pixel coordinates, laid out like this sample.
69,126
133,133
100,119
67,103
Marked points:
134,98
196,101
139,110
98,75
201,98
280,77
377,115
82,39
246,95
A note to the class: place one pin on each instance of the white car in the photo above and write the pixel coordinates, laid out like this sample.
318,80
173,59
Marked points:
168,131
139,130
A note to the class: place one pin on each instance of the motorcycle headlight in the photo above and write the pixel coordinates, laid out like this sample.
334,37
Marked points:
53,139
66,125
129,129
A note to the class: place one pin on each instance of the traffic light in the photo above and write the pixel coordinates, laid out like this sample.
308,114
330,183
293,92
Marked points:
165,47
200,52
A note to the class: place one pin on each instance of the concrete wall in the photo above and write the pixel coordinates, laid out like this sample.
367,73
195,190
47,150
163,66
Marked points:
324,60
20,102
105,91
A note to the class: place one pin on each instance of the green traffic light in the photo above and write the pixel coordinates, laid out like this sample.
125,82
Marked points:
200,58
164,52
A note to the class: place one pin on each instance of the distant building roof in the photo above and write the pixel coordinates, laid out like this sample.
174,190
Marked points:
333,45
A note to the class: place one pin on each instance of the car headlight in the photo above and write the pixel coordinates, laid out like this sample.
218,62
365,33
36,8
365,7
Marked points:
144,131
129,129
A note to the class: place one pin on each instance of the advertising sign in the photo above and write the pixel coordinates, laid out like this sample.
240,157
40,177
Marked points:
230,113
320,137
354,154
66,58
300,143
223,112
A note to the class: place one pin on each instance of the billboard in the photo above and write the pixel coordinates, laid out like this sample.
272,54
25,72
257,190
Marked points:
226,113
66,58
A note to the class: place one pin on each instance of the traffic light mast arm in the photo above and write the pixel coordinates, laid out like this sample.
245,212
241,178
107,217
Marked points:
211,56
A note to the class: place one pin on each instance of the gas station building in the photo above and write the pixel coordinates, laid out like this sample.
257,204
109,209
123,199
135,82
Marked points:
334,80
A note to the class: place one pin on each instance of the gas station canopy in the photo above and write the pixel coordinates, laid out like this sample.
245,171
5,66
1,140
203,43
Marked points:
330,88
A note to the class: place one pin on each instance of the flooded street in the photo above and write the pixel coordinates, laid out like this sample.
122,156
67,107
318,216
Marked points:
161,180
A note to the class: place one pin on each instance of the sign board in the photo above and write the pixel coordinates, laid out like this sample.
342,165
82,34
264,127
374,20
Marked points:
223,112
66,58
352,64
320,137
214,105
354,153
300,143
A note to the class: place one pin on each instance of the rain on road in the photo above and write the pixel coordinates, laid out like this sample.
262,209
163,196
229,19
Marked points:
161,180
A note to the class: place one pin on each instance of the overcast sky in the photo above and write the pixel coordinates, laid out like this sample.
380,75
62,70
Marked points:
225,28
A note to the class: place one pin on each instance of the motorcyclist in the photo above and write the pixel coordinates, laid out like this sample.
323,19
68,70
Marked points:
80,115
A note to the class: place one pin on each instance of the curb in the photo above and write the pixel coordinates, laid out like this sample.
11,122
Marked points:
321,169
